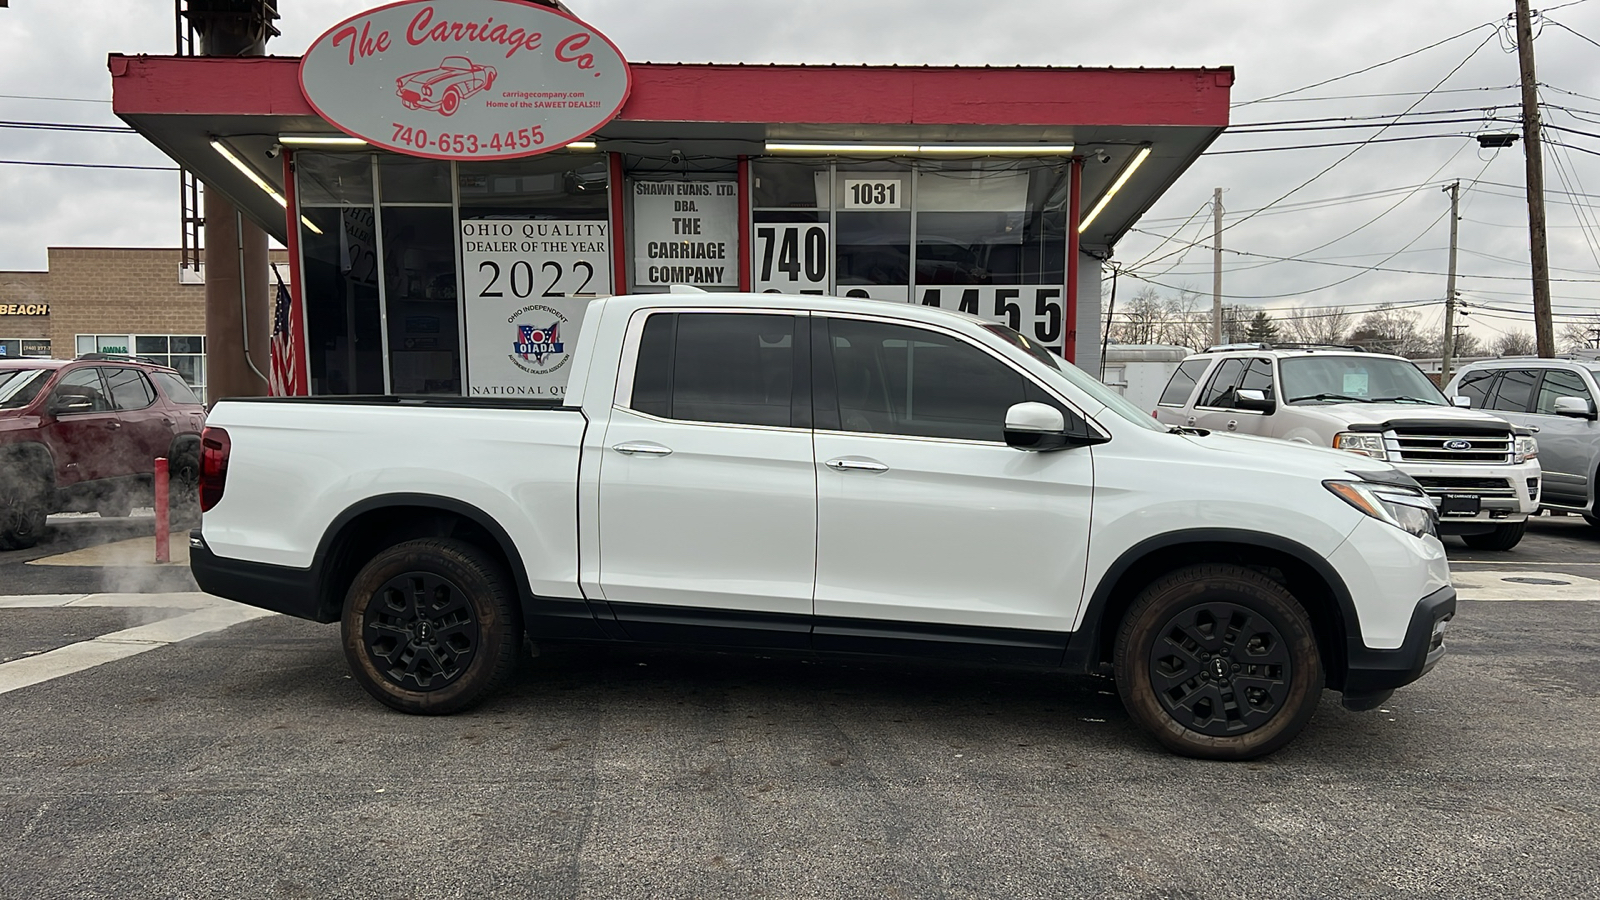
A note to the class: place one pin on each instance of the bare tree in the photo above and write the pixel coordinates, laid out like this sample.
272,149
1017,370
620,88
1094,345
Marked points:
1389,330
1583,334
1513,343
1318,325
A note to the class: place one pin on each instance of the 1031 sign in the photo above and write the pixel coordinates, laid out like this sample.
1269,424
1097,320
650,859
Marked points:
791,258
1034,310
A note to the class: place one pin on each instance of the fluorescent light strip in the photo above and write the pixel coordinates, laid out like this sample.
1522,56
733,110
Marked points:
320,140
258,180
1025,149
1122,179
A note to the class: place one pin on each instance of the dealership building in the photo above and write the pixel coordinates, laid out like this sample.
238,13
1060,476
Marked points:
453,193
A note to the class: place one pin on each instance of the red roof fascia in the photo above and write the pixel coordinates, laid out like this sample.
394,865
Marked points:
847,95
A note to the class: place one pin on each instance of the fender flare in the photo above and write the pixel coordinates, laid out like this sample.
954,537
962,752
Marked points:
319,561
1084,645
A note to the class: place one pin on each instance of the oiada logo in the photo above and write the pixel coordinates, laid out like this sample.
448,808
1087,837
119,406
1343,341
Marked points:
539,349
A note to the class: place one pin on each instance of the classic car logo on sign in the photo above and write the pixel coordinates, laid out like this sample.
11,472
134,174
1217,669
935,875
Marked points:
473,79
1458,445
442,89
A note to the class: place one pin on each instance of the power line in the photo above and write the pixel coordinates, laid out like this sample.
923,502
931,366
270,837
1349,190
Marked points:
1551,21
59,99
71,165
67,126
1371,67
1503,87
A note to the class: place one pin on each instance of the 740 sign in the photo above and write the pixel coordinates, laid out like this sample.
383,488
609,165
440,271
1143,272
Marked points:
791,258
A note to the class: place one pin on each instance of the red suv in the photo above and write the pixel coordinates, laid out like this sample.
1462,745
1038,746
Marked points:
83,435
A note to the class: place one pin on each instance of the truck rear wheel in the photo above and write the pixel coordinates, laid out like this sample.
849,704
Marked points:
431,626
1503,537
1218,662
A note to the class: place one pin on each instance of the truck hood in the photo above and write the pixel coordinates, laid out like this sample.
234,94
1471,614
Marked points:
1379,413
1270,454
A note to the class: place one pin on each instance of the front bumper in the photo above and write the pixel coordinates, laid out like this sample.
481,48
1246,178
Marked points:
1372,675
1507,494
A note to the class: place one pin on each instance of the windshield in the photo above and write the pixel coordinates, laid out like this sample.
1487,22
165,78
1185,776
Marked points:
18,386
1076,377
1306,380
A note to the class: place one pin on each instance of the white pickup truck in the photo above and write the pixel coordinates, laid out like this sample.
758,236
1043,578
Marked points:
829,476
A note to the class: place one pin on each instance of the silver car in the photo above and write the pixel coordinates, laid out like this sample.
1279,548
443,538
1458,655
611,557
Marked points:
1556,396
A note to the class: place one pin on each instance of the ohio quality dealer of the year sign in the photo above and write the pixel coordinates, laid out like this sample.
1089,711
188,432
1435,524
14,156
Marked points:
465,79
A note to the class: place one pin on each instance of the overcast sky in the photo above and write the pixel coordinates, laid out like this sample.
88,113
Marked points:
1382,207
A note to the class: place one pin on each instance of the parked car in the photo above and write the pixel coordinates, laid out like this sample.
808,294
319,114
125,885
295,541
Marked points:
1556,396
83,435
827,475
1481,473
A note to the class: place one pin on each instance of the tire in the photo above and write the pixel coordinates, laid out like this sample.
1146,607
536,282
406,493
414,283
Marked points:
183,489
22,511
450,103
451,658
1218,662
1504,537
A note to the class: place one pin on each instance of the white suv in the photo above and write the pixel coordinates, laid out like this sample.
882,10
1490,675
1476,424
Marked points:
1481,471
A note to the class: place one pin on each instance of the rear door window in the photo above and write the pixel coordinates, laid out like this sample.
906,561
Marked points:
729,368
1515,390
129,389
1183,381
1219,391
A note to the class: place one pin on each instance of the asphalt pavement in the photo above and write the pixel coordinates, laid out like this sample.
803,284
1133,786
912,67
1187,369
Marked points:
244,762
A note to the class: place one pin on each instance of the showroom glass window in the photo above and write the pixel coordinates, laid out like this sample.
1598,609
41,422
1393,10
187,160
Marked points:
340,272
417,243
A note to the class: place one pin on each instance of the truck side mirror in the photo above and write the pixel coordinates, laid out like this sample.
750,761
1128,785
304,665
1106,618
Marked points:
1576,407
1041,427
1461,402
1256,401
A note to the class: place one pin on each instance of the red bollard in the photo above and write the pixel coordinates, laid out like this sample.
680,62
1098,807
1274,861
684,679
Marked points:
163,528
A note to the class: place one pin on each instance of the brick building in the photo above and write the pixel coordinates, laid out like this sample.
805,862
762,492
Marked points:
110,300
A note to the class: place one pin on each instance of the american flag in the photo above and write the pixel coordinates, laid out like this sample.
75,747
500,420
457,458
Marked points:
288,379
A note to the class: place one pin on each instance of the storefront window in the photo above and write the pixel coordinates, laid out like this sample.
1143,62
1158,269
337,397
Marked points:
419,268
184,352
340,273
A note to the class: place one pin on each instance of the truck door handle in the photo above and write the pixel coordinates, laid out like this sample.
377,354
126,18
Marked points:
847,464
642,448
1191,421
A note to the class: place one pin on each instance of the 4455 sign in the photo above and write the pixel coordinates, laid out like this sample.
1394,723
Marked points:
465,79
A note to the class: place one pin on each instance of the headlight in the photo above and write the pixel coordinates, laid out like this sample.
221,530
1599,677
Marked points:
1364,442
1405,510
1526,448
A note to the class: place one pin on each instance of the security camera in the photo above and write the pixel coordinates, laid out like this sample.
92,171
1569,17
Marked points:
676,157
1102,155
274,150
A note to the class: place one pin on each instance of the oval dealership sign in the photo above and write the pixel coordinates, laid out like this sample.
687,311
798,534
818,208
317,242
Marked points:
465,79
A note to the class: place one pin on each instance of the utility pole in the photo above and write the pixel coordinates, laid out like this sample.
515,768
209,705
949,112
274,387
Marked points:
1216,266
1538,246
1454,190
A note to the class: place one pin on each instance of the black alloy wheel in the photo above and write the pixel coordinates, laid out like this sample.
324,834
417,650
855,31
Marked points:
431,626
1218,662
1220,668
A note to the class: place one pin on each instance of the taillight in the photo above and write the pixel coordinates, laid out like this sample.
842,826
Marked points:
214,447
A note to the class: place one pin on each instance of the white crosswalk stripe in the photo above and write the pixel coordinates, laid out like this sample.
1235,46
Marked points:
197,614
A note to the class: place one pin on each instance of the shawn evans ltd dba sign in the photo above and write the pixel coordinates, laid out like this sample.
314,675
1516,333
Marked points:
465,79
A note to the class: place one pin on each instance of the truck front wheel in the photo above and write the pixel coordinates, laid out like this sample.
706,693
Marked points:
1218,662
431,626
